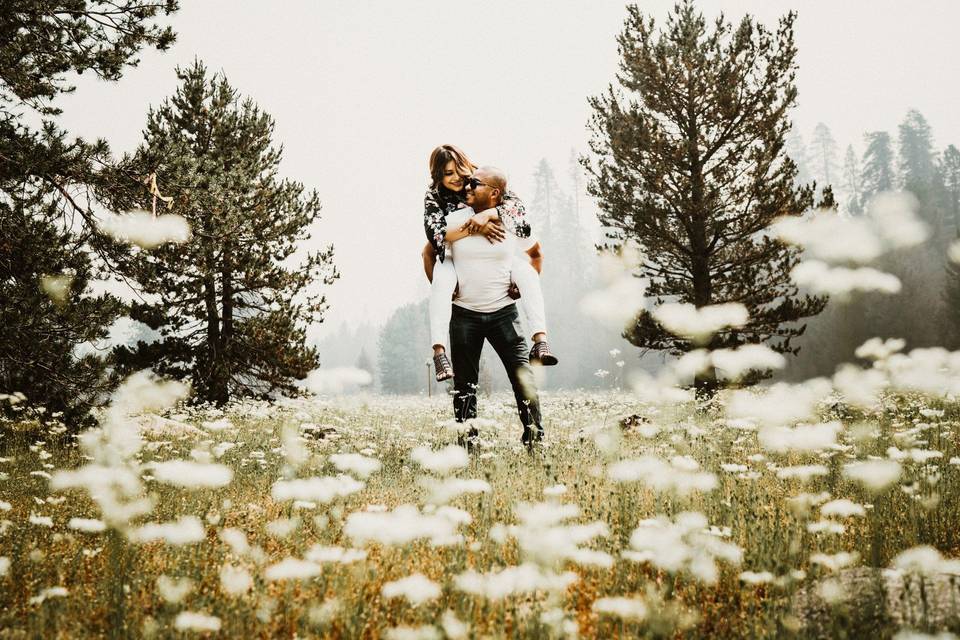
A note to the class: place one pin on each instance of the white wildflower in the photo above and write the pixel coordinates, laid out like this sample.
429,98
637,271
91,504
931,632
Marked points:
875,475
842,508
192,475
525,578
625,608
184,531
89,525
234,580
324,489
292,569
801,438
698,324
173,590
194,621
442,462
360,465
144,229
416,588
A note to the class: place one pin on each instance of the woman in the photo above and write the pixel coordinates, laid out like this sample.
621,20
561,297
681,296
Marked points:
449,170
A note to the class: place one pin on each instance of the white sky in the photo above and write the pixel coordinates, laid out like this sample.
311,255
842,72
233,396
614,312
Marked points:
362,90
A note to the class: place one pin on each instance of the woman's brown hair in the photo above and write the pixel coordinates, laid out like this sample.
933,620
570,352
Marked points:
444,154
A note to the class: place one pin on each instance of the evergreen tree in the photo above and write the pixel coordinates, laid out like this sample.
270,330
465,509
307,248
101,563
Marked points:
915,153
692,165
230,308
878,174
796,150
852,182
49,186
950,172
364,362
824,149
404,347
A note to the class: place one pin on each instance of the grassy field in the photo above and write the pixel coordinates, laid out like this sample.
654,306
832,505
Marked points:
308,518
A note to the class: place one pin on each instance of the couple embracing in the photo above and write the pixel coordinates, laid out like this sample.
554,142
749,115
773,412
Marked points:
482,254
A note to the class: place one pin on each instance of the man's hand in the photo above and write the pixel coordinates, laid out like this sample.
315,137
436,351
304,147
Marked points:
513,291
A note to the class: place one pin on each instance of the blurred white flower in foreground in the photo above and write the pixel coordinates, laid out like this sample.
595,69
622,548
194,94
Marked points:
681,545
185,530
57,287
360,465
821,278
323,489
235,581
335,380
925,560
875,475
49,592
405,524
890,222
621,297
144,229
681,475
779,404
525,578
423,632
192,475
626,608
173,590
699,324
193,621
416,588
801,438
443,461
734,363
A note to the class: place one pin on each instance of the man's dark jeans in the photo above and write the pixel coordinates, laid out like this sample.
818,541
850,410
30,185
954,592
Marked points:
468,330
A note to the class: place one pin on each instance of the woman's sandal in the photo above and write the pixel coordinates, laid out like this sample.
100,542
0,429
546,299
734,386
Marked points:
441,363
541,353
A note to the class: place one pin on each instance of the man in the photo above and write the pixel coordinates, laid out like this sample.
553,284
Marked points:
484,309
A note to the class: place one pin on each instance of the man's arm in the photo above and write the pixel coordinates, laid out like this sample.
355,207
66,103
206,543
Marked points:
536,256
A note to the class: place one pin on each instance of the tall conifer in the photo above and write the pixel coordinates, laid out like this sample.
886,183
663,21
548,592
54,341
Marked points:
690,162
231,304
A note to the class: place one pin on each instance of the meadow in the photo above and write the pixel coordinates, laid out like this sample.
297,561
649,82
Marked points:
781,512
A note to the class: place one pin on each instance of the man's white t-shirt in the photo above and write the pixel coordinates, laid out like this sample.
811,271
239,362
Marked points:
483,267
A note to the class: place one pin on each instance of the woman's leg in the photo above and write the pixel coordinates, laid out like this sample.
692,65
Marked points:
441,297
531,297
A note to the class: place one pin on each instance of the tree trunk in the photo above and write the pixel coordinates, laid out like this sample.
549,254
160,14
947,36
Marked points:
704,382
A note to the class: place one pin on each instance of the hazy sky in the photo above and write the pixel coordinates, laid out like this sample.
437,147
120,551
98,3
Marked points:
361,91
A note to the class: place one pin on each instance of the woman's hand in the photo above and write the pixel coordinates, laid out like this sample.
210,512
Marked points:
492,231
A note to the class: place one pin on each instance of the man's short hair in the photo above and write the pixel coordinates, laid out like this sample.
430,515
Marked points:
496,179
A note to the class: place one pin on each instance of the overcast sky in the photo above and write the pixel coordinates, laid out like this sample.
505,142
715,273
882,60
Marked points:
361,91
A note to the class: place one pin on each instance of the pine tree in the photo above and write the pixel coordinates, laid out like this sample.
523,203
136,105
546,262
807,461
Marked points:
231,309
824,149
49,188
692,165
915,153
950,171
364,362
852,182
404,347
796,150
878,174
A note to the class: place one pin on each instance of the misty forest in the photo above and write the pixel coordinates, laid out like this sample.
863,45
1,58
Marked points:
753,429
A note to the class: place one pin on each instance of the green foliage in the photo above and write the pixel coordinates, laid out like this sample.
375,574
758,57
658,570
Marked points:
404,347
230,304
49,186
878,175
690,163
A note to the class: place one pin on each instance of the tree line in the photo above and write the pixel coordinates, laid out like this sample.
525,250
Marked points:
229,309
